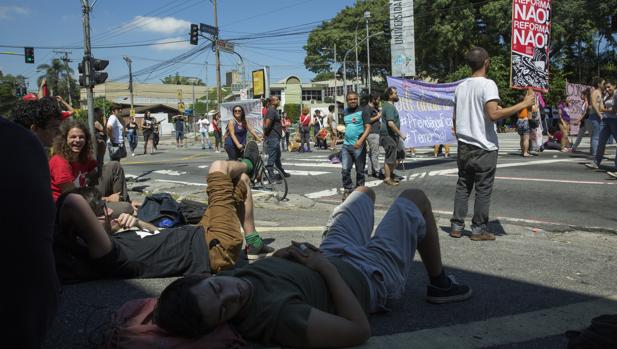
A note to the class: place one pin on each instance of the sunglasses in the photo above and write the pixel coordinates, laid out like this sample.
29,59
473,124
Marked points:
237,110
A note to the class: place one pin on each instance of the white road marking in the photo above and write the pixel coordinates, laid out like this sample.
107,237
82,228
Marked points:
202,166
299,164
181,182
289,229
306,173
548,180
501,330
170,172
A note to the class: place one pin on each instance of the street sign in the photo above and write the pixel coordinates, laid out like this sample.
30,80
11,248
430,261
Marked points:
225,46
179,93
205,28
132,112
181,107
188,112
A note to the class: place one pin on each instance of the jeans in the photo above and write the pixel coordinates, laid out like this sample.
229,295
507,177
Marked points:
596,126
205,138
373,146
586,128
273,145
350,157
132,137
305,138
476,167
609,127
285,141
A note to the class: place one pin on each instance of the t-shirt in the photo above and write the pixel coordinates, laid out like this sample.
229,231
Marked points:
354,124
284,293
215,125
62,171
389,113
565,112
148,124
203,125
30,294
523,114
116,129
305,119
179,124
473,126
376,125
276,129
609,103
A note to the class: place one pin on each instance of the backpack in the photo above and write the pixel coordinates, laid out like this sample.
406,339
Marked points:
602,334
161,210
131,327
192,211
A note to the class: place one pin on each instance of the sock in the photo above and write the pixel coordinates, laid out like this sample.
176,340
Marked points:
441,280
249,165
254,239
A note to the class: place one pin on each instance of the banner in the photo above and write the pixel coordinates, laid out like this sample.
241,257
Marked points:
402,47
531,33
425,111
252,110
576,108
259,82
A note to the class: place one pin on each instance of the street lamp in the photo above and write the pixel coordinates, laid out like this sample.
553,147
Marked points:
367,15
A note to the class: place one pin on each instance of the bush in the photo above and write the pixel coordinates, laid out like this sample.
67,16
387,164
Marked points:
293,111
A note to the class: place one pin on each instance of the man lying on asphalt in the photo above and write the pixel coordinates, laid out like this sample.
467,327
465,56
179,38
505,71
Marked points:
309,297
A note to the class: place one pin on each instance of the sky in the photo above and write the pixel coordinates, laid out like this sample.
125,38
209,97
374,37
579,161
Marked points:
50,26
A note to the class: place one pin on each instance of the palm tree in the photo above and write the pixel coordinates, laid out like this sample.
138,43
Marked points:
53,74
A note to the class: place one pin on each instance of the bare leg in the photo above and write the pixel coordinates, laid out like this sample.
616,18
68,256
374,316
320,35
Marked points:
77,217
429,247
387,170
233,169
245,211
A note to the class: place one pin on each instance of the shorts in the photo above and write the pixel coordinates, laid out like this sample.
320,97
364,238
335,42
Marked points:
147,135
385,258
522,127
220,221
400,150
179,135
390,146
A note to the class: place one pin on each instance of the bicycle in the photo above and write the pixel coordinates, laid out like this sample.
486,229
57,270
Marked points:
273,182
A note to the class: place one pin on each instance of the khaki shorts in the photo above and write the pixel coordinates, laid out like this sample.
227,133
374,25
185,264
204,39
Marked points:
220,221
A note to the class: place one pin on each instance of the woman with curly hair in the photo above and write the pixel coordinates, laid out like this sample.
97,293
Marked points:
73,166
236,134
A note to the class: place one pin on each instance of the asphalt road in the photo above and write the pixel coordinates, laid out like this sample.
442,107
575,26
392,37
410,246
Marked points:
530,285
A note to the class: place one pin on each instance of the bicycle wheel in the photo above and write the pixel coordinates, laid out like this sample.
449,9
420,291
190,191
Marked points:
275,183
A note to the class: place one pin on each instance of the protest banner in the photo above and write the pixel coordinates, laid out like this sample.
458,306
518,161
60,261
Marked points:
531,33
252,110
425,111
576,109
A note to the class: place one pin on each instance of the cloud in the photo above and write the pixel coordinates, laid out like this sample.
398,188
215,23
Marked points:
7,11
173,46
165,25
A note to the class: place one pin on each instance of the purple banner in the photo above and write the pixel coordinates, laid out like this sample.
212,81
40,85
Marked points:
425,111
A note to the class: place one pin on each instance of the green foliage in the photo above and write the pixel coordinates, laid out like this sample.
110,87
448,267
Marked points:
81,115
293,111
56,73
103,104
8,99
323,76
181,80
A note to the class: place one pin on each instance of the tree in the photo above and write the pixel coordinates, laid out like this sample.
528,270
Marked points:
57,74
8,86
323,76
181,80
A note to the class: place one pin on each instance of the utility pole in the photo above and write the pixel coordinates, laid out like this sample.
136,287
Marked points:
87,55
219,97
128,61
357,61
367,15
335,90
66,61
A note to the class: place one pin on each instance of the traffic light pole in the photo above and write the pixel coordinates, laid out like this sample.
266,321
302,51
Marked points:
87,70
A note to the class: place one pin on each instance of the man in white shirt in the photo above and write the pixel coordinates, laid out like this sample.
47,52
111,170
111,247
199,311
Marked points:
115,132
203,124
475,112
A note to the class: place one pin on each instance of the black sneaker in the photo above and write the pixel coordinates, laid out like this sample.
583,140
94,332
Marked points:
454,293
254,253
251,152
285,174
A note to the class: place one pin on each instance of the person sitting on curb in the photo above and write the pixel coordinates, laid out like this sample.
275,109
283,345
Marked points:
319,297
72,166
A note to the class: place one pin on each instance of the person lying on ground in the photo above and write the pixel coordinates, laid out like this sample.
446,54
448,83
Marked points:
72,166
319,297
89,244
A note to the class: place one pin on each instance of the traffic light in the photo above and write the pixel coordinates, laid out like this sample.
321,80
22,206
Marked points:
194,34
97,76
387,32
29,55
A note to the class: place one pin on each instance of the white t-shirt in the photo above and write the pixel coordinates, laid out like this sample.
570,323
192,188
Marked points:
473,126
203,125
116,129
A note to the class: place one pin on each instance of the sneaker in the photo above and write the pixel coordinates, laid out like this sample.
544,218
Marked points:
285,174
592,165
612,174
454,293
254,253
132,154
251,152
482,236
455,233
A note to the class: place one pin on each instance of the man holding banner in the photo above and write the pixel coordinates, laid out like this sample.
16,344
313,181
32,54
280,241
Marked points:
475,112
